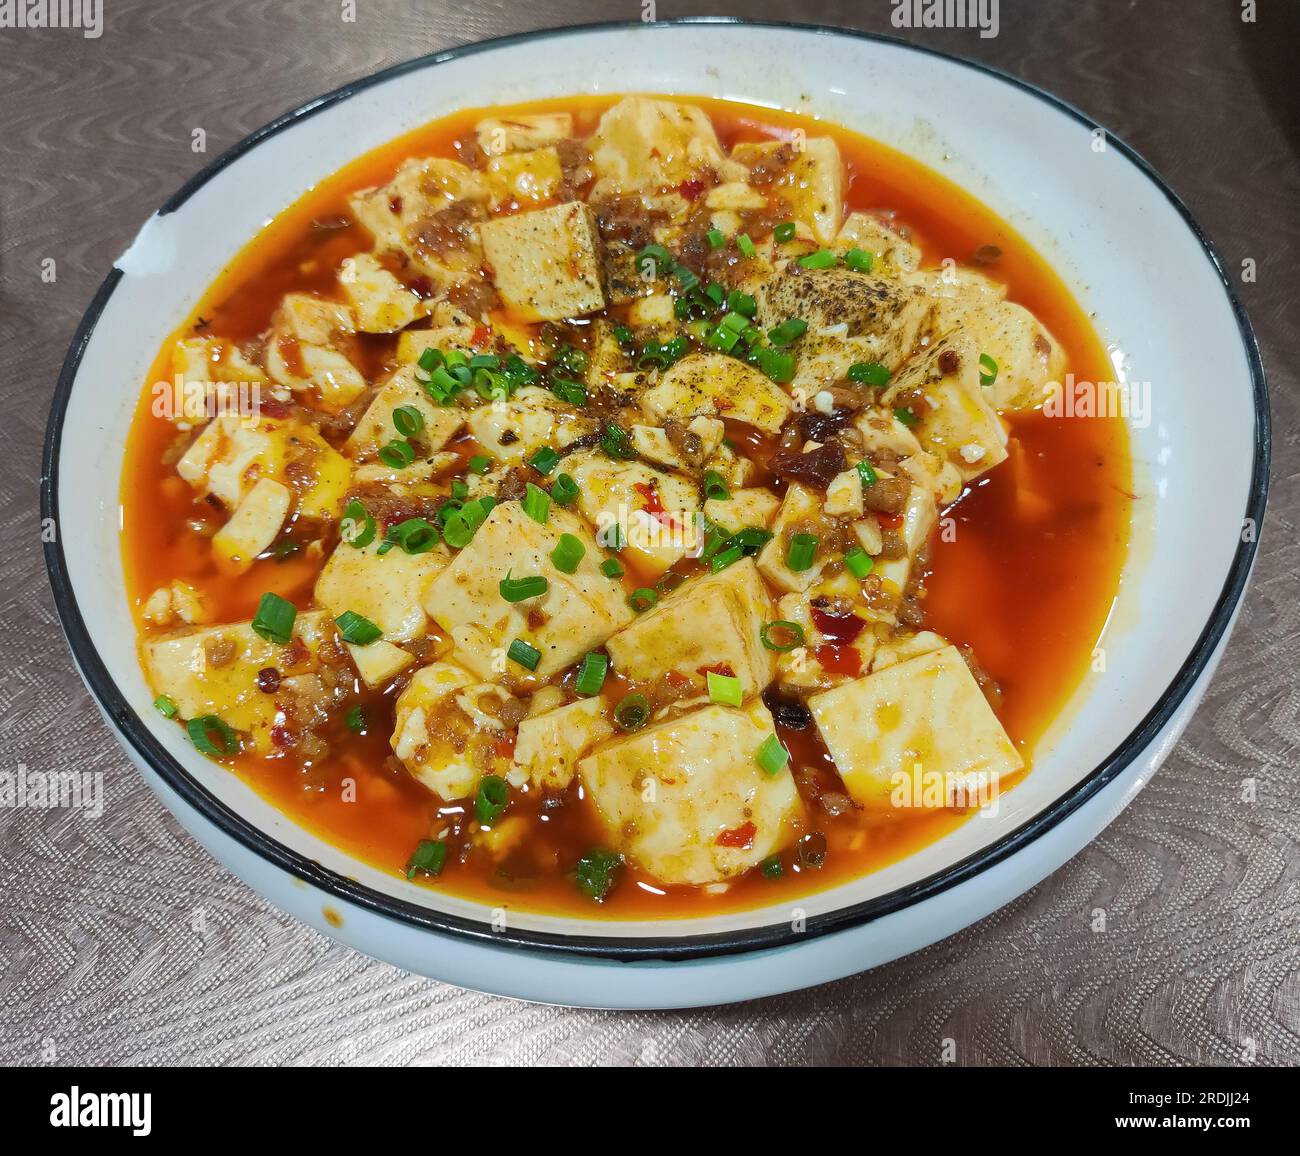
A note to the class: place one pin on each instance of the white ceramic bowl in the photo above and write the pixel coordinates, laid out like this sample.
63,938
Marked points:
1123,242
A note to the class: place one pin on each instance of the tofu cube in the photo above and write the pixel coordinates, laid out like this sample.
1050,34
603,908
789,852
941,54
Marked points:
811,184
546,263
686,800
213,671
376,429
550,745
523,131
386,588
303,351
380,302
872,235
919,733
230,455
708,623
253,526
1028,357
379,662
799,505
714,385
577,612
746,507
534,417
524,178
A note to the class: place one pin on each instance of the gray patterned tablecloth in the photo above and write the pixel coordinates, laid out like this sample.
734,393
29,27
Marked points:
99,959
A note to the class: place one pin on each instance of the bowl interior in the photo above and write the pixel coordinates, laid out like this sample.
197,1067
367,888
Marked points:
1110,231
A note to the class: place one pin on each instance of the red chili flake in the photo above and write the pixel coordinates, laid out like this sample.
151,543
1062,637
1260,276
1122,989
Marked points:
422,287
481,336
653,504
840,628
271,407
890,521
504,747
839,659
723,668
691,189
742,836
395,204
281,736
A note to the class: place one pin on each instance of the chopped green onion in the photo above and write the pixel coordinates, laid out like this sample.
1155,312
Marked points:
212,735
722,339
568,553
781,635
736,322
355,720
611,568
461,524
632,712
859,562
571,391
859,260
715,487
397,454
738,302
771,867
615,442
517,589
564,489
480,464
596,873
784,231
659,257
906,416
771,756
717,238
868,373
867,474
491,800
988,370
459,489
726,557
788,331
357,528
591,674
165,706
544,460
776,366
521,652
802,551
428,858
407,420
357,629
745,245
642,599
822,259
537,503
714,292
724,689
430,359
623,335
415,536
274,618
485,361
751,539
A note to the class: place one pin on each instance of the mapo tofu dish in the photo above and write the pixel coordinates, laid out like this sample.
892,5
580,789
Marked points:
628,506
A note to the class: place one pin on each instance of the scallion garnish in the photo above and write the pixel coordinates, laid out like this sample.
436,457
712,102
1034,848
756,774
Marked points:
357,528
988,370
822,259
724,689
771,756
616,443
859,562
355,720
479,464
517,589
568,552
564,489
460,525
414,536
407,420
781,635
906,416
165,706
611,568
788,331
859,260
397,454
715,487
430,359
745,245
784,231
428,858
544,460
717,238
212,735
491,799
867,474
526,655
868,373
776,366
274,619
632,712
642,599
357,629
596,873
802,551
771,867
591,674
725,558
743,303
537,503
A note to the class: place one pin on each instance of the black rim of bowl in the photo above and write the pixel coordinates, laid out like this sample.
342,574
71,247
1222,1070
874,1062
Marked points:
635,948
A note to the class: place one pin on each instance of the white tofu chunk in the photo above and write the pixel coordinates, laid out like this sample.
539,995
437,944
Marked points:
956,422
380,302
686,799
176,602
549,745
800,671
646,145
213,671
444,746
715,385
844,495
523,131
1028,358
951,282
708,623
534,417
799,505
375,429
413,342
254,524
386,588
655,511
577,612
918,733
379,662
752,507
811,184
905,646
525,179
546,263
919,517
874,236
735,196
303,351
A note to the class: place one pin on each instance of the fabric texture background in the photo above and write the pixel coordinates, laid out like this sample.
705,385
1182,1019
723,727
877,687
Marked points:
122,941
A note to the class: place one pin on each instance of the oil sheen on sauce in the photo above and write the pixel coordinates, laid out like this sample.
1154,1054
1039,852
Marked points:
1025,574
